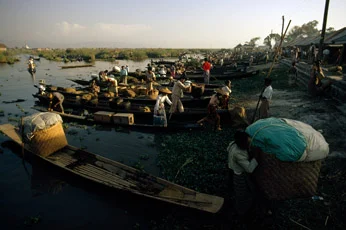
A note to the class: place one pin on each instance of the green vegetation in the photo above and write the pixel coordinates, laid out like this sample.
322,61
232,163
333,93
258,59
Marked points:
8,57
93,54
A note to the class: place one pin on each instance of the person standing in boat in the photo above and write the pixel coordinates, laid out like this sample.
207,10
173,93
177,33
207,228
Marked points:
56,96
160,118
127,69
173,71
177,93
123,75
206,70
31,64
150,78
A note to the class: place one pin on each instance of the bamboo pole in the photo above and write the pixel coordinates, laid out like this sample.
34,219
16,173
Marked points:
271,67
277,51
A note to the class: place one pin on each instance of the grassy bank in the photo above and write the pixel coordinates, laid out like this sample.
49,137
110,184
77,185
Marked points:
8,57
106,54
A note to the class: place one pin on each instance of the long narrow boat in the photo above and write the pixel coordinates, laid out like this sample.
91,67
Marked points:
71,98
141,115
122,177
32,70
148,127
76,66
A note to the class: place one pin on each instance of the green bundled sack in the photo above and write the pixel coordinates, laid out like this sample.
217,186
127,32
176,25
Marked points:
274,136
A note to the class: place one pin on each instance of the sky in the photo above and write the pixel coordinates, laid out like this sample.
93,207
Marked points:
156,23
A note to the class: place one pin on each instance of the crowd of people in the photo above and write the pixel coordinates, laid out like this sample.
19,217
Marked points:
241,161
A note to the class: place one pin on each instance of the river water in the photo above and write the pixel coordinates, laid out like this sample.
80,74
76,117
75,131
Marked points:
32,190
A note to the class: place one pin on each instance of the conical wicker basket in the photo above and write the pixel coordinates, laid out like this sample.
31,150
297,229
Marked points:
47,141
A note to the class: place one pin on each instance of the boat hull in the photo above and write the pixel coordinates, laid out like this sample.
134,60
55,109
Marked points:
122,177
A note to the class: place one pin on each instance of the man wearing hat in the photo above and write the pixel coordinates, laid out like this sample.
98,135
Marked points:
177,93
160,118
41,87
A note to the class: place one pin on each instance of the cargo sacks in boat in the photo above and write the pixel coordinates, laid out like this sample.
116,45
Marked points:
197,90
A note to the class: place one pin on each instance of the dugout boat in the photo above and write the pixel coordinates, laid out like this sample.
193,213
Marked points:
143,113
108,172
76,66
111,119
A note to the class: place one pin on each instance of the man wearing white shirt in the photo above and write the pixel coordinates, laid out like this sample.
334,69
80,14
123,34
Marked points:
266,97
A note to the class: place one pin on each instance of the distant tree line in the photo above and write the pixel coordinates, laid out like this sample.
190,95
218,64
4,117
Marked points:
111,54
306,30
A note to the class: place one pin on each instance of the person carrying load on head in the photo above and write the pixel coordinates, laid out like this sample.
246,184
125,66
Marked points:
160,118
56,96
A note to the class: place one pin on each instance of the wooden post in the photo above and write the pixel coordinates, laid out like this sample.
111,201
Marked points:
320,48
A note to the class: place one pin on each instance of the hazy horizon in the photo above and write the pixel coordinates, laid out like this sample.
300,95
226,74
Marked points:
155,24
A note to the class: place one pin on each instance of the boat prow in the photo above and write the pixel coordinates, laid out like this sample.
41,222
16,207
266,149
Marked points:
122,177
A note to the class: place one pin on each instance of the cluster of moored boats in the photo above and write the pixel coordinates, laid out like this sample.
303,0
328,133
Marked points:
132,98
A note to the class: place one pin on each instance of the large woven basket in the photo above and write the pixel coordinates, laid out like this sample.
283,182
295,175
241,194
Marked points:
47,141
279,180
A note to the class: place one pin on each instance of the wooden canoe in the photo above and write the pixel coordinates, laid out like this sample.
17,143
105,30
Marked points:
122,177
76,66
171,126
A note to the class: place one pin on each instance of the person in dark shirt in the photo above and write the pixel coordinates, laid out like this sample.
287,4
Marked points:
56,96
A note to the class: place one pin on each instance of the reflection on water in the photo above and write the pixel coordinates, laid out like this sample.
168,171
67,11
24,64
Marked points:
43,183
33,77
63,200
57,197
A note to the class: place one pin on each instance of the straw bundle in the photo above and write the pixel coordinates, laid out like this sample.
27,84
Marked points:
70,90
129,93
197,90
